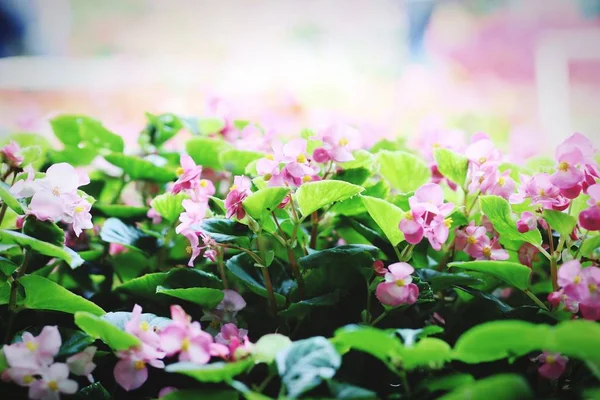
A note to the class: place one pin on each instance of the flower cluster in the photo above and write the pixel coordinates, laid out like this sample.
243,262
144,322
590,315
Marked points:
55,198
11,155
484,173
474,241
397,289
339,141
287,165
240,189
31,363
196,208
427,217
579,290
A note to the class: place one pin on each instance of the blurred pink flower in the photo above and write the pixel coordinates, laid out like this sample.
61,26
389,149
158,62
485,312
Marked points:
54,380
12,154
553,364
189,174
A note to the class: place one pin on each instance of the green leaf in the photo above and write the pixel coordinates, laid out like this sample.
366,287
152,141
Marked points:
312,196
66,128
116,231
264,201
4,292
169,205
443,280
47,249
178,278
161,128
268,346
306,363
242,266
382,345
427,352
223,230
205,151
144,286
95,133
7,267
404,171
74,342
589,246
44,294
3,363
575,338
387,216
351,256
140,169
80,155
452,165
209,126
46,231
356,176
341,390
514,274
205,297
95,391
236,161
362,159
121,211
32,154
204,394
96,327
498,211
500,387
26,140
9,199
303,307
214,372
560,222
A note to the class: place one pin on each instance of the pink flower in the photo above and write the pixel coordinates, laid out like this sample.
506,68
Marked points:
202,191
488,249
193,215
528,254
398,287
339,141
237,193
116,248
228,308
570,273
527,222
187,338
590,218
189,174
81,364
78,213
166,390
469,238
430,198
235,339
321,155
499,184
438,231
541,191
194,247
575,158
559,298
25,188
21,376
34,351
62,180
553,364
131,371
154,216
379,268
12,154
482,150
296,166
55,380
141,329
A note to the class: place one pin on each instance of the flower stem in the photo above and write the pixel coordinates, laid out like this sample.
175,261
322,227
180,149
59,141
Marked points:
314,219
267,279
553,267
292,259
381,316
535,299
222,268
368,309
14,288
398,254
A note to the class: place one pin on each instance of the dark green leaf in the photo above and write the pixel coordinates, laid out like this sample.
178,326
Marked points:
74,342
443,280
204,297
341,390
351,256
95,391
47,249
116,231
121,211
303,307
500,387
204,394
227,231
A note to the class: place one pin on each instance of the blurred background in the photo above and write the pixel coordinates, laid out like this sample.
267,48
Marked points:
525,71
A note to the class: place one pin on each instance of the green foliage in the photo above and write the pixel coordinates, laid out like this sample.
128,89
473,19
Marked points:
205,151
405,172
264,201
41,247
215,372
452,165
313,196
503,387
169,205
498,211
387,216
8,199
236,161
514,274
140,169
560,222
99,328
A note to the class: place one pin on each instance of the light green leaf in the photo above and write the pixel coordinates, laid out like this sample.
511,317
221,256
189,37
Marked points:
589,246
499,213
264,201
139,169
514,274
214,372
312,196
169,205
161,128
362,159
26,140
205,151
499,387
9,199
44,294
404,171
236,161
47,249
452,165
95,133
95,391
96,327
205,297
31,154
387,216
560,222
267,347
382,345
209,126
66,128
80,155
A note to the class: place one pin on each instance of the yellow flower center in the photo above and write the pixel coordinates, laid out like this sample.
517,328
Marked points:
267,177
179,171
144,325
408,215
448,222
471,240
32,346
189,249
185,344
400,283
79,209
139,365
301,159
306,178
203,182
56,191
592,287
550,359
577,279
542,192
481,179
501,181
435,145
487,251
52,385
233,187
482,160
343,142
270,157
27,379
563,166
